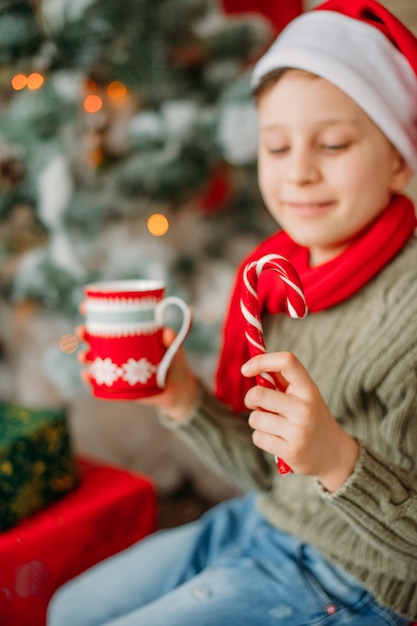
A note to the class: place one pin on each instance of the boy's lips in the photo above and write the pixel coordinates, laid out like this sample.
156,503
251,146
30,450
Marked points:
308,208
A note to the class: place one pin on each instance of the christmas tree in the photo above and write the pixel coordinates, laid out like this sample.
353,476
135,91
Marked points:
127,150
128,141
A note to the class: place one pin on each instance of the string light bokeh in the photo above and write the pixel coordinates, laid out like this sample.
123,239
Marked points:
93,103
158,224
33,81
116,90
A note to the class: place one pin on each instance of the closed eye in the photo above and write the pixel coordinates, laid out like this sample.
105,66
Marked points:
282,150
335,147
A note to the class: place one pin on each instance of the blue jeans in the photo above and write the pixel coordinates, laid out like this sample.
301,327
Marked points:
229,567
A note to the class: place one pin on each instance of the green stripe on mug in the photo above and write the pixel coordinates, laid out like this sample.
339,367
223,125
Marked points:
121,317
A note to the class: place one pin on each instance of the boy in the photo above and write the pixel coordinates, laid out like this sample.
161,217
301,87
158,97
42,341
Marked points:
336,541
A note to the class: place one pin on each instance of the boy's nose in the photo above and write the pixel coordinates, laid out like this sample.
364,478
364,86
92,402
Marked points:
302,168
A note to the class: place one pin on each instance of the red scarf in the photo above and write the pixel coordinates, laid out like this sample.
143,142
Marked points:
324,285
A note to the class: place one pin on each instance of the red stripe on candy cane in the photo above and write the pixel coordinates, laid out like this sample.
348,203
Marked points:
249,306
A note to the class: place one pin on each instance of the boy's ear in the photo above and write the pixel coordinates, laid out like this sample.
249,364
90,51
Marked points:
401,175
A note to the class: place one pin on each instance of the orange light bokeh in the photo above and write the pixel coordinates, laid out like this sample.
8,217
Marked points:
116,90
19,81
68,343
35,81
93,103
158,224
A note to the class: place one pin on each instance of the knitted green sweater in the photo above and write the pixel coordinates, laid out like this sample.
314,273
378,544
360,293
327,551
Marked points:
362,354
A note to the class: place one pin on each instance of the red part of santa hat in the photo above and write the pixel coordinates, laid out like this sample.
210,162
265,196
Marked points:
378,16
366,51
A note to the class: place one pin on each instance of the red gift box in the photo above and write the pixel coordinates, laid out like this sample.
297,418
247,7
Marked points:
110,510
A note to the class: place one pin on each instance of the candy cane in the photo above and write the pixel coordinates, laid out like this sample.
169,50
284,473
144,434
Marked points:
249,305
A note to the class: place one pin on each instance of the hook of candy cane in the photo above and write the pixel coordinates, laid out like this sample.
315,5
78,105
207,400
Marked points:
249,305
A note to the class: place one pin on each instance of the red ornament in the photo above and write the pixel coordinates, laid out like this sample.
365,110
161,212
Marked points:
217,193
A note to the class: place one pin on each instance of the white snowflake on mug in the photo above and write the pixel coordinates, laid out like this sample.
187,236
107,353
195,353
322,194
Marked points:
104,371
138,371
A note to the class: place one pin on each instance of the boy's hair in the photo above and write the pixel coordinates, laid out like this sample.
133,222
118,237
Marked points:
271,78
267,81
360,47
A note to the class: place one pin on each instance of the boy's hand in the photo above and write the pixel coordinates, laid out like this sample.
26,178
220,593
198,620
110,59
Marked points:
296,424
180,391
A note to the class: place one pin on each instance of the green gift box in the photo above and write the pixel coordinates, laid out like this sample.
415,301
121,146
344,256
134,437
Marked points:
36,462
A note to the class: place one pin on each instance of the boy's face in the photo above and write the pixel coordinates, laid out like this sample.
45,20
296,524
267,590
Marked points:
325,169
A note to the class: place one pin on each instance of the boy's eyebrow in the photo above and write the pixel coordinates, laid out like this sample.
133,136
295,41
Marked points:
326,122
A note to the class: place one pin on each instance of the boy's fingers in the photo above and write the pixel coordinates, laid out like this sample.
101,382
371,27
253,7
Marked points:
82,357
284,363
80,332
82,307
85,377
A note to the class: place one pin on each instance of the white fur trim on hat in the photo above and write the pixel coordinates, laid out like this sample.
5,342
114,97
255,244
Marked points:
360,60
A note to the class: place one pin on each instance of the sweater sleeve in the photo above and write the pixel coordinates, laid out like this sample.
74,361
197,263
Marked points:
223,440
379,500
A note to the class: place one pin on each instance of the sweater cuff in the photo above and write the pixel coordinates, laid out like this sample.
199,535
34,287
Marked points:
372,481
350,483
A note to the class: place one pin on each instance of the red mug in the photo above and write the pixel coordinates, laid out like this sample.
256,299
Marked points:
124,321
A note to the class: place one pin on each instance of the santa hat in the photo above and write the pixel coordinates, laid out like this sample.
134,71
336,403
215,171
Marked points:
360,47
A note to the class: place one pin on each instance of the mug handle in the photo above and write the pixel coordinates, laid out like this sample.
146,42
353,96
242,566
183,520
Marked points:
162,370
